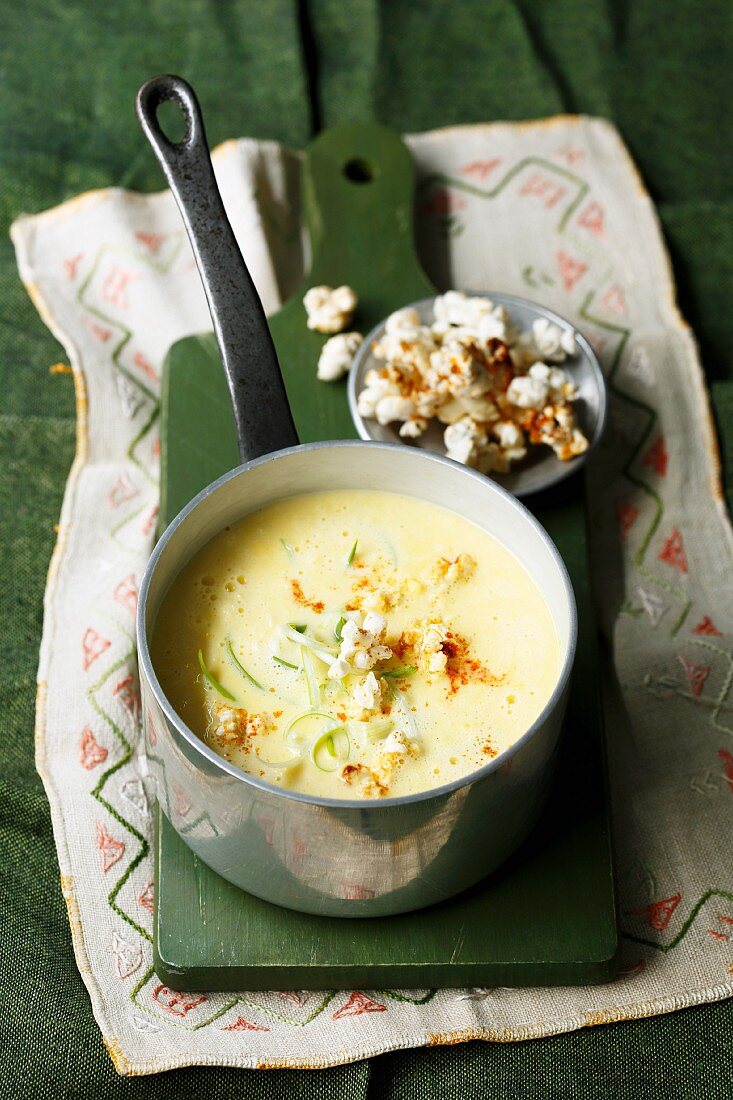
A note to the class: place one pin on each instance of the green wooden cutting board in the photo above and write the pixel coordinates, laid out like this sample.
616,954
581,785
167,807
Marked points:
546,918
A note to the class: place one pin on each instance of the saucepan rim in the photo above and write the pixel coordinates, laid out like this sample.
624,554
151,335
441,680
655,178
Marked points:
145,663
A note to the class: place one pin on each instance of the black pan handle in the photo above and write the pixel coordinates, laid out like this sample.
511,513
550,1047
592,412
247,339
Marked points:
262,415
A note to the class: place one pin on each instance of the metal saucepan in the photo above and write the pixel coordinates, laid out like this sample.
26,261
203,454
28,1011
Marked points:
324,855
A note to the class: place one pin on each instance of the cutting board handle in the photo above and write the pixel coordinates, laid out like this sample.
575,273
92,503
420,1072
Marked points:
262,414
358,183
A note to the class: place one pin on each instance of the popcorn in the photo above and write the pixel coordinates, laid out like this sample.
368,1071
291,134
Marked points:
527,392
467,442
329,310
393,744
413,428
403,320
235,724
228,723
432,647
368,693
512,442
376,386
552,342
337,355
362,645
461,309
394,407
497,390
458,570
556,380
338,669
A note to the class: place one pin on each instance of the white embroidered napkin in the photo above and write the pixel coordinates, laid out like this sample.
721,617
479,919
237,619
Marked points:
552,211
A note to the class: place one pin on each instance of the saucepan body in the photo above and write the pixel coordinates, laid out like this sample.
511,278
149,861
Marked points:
365,857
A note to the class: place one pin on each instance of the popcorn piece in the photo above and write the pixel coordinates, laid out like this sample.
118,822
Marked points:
553,343
381,599
437,662
527,392
235,724
362,639
368,693
337,355
413,428
329,310
431,647
338,669
403,320
377,386
408,350
258,723
374,624
556,380
393,744
555,426
393,407
444,571
465,441
228,723
461,309
511,441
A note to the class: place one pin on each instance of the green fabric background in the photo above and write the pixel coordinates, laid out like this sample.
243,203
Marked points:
68,73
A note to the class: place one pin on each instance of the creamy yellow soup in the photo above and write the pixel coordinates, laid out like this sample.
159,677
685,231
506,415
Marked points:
356,644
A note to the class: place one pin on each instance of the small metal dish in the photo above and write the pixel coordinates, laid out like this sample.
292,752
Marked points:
541,468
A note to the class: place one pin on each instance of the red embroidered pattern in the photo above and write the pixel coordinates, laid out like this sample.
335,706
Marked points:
657,457
126,593
727,758
707,626
659,913
92,645
91,753
571,269
357,1004
626,514
695,674
673,552
592,219
112,850
543,188
240,1024
178,1004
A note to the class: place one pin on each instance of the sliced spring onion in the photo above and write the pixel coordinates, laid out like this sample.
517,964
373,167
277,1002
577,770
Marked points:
314,693
398,673
213,680
287,548
322,649
339,627
240,666
300,627
371,731
331,748
352,554
403,706
296,736
286,664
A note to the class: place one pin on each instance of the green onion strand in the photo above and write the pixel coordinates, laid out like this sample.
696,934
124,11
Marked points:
286,664
398,673
213,680
240,666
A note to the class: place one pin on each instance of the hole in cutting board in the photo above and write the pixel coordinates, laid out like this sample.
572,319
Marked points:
359,170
